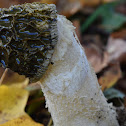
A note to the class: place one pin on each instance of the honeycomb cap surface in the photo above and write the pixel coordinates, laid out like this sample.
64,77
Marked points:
28,35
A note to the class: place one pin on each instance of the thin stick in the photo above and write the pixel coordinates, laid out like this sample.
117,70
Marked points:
3,76
33,87
50,122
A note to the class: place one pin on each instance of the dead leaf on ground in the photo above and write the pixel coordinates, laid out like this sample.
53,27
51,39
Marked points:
121,34
68,7
121,84
12,102
94,52
12,78
23,120
116,49
110,76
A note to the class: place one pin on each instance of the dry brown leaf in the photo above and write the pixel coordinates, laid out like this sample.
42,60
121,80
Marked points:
120,34
12,78
97,61
94,52
116,49
110,76
68,7
121,85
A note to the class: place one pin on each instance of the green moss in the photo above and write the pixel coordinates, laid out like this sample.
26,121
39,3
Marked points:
28,35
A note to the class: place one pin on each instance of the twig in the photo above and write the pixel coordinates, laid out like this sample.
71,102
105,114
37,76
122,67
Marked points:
33,87
3,75
50,122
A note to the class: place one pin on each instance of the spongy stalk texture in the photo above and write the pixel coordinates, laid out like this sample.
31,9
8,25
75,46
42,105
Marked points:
73,95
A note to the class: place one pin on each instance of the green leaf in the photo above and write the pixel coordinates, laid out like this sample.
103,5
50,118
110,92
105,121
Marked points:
110,19
113,93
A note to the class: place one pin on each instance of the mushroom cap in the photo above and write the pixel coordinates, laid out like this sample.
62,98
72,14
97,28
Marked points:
28,35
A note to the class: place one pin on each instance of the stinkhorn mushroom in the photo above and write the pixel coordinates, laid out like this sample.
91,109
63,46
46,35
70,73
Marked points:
73,95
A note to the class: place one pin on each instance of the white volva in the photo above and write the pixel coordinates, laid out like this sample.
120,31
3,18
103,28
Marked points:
73,95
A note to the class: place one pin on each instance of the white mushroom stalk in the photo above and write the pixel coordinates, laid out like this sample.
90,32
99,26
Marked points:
73,95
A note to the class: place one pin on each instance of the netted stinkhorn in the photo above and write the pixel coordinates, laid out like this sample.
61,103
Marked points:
27,38
73,95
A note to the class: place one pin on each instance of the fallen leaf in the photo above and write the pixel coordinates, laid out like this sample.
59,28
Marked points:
12,102
112,20
12,78
121,34
110,76
94,52
24,120
121,84
113,93
116,49
68,7
97,61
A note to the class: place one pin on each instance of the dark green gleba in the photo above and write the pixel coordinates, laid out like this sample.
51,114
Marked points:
28,35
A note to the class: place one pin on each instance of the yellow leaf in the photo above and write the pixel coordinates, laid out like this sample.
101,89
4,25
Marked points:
110,76
12,102
24,120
